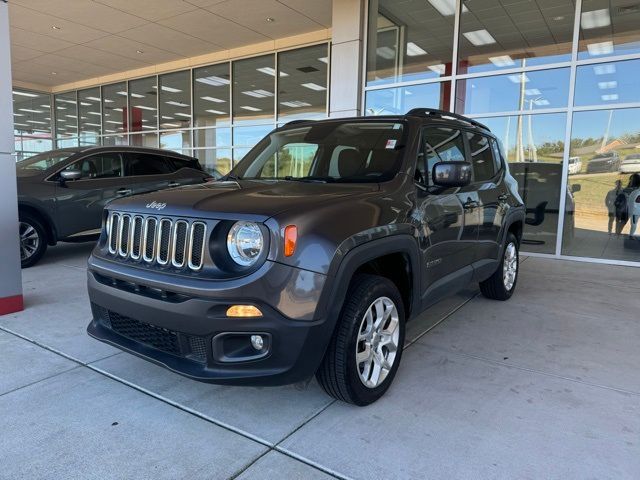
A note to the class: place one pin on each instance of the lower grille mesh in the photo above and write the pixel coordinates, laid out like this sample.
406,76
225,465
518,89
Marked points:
168,341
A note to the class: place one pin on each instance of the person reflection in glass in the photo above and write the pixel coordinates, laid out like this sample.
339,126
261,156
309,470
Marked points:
614,212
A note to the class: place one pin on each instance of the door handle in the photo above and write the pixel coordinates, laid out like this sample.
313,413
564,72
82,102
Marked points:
470,204
503,197
173,184
124,191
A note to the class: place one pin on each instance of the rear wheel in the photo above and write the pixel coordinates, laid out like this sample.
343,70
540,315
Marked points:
365,350
33,240
501,285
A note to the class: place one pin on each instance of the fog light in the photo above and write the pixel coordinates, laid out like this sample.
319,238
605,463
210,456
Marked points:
257,342
246,311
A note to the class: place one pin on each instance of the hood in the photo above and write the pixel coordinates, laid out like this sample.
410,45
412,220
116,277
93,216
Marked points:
242,200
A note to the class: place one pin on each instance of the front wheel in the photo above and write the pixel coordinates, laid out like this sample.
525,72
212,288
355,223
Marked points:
33,240
502,284
365,350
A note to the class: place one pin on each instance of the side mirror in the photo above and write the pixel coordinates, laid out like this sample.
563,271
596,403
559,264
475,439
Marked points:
70,175
576,187
451,174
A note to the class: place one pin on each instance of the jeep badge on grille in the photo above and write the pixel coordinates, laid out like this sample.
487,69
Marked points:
156,205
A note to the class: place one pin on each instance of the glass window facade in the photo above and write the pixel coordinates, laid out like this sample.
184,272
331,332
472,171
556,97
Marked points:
573,148
215,113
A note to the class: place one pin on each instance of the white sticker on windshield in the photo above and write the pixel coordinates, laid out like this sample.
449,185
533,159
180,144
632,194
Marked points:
391,144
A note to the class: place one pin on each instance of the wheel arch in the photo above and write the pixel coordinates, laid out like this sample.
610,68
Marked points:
43,218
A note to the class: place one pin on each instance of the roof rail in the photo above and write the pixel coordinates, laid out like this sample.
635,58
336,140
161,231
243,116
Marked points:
293,122
434,112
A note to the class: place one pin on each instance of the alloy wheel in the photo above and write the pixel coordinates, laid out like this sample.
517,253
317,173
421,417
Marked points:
377,342
510,266
29,240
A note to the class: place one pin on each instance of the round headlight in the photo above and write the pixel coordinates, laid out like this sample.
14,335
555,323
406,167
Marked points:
245,243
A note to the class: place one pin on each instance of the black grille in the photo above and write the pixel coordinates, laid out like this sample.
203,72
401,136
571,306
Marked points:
150,239
137,237
113,234
165,237
180,239
197,245
124,241
169,341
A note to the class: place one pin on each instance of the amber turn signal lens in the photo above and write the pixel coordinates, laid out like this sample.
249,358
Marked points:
245,311
290,239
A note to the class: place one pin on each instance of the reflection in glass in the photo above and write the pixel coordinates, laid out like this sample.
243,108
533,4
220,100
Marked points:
113,140
114,108
249,136
391,101
608,28
144,140
66,106
211,96
239,153
89,116
520,91
176,140
517,34
534,146
215,160
606,83
143,106
606,142
410,41
302,84
175,100
32,123
254,89
212,137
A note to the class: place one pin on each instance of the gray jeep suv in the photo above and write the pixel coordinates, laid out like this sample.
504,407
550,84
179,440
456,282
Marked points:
312,254
61,193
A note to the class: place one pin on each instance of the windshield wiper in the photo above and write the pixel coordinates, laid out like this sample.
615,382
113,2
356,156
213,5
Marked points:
310,179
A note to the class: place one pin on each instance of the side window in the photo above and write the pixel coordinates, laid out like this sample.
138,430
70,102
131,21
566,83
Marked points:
104,165
497,154
442,144
146,164
484,166
178,163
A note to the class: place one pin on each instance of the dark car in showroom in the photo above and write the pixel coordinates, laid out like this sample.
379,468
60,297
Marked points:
311,255
62,193
604,162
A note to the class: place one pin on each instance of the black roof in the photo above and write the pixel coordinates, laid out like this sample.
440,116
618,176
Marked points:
120,148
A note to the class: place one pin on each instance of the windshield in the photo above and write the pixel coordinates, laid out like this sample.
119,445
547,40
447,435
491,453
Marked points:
349,152
44,161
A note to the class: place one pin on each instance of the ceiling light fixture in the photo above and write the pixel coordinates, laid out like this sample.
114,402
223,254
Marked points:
180,114
144,107
595,19
271,71
519,78
250,108
479,37
502,61
213,99
387,53
601,48
217,112
54,73
324,60
139,51
313,86
30,110
532,91
604,69
607,85
258,93
295,104
176,104
438,68
166,88
414,50
213,80
606,98
541,102
25,94
55,27
446,8
270,19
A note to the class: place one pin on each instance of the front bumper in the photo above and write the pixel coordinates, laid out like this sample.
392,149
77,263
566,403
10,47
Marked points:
190,334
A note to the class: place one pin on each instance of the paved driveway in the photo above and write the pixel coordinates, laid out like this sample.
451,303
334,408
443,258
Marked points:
546,385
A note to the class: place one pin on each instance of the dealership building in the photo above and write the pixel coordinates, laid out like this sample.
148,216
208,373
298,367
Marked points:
556,81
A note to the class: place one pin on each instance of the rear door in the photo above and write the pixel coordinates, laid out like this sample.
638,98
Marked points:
80,202
490,193
147,172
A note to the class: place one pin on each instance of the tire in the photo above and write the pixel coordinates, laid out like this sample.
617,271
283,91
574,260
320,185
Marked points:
339,374
502,284
33,240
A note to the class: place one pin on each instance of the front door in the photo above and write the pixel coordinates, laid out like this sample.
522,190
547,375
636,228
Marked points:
79,203
147,172
448,229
